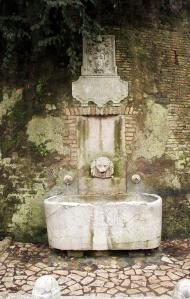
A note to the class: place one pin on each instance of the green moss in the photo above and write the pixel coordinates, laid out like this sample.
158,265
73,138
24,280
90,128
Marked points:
176,215
8,145
9,198
36,234
21,193
42,149
47,134
28,221
117,168
117,136
10,97
12,120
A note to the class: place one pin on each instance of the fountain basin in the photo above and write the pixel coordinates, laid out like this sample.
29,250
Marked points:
104,222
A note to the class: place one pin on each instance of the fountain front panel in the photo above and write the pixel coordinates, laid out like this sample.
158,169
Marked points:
90,222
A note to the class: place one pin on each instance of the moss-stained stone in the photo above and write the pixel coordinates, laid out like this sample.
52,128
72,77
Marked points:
22,189
28,221
10,96
47,134
152,138
9,197
176,215
117,168
170,180
56,181
117,136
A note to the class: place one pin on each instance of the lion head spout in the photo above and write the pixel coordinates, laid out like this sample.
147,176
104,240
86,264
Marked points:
102,167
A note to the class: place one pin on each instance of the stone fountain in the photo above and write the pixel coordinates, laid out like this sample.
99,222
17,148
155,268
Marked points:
101,215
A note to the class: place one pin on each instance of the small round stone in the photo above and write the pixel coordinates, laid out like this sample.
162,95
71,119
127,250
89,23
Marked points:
46,287
182,289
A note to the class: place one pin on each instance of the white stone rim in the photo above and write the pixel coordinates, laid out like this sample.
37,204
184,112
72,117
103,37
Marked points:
49,201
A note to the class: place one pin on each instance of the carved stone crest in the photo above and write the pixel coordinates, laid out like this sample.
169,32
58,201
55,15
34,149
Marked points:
102,168
99,82
98,56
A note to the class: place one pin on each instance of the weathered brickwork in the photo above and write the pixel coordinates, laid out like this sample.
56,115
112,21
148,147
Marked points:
71,140
157,66
73,113
156,63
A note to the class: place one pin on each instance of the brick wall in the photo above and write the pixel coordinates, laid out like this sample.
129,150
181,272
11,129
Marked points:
156,63
72,114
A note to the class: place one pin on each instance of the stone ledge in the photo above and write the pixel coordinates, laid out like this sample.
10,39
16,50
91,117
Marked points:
93,110
100,89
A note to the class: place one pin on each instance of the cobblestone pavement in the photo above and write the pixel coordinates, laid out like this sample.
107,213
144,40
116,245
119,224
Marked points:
116,274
